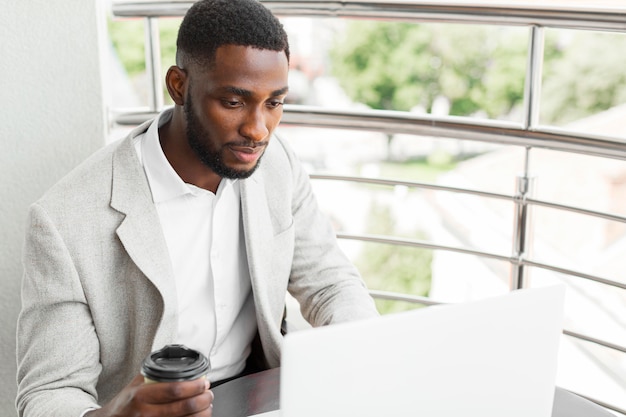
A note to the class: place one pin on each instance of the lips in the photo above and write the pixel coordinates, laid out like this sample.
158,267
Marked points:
247,154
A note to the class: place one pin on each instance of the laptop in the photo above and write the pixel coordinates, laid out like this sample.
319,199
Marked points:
490,358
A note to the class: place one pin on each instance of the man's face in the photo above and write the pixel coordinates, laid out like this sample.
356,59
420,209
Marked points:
232,108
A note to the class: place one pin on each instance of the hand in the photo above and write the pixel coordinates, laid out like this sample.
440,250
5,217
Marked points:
163,399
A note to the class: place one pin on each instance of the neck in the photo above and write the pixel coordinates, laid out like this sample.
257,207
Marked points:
182,158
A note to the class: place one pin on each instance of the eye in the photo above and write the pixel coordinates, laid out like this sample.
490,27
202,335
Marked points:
275,103
232,103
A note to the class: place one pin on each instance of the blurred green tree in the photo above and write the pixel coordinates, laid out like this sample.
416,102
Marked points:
402,269
128,37
586,76
399,66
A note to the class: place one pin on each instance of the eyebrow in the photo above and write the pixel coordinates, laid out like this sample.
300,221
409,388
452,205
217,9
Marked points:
247,93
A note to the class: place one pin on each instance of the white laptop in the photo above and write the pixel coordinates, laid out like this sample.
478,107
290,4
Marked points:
491,358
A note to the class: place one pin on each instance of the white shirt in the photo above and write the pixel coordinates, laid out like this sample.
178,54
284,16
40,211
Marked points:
204,236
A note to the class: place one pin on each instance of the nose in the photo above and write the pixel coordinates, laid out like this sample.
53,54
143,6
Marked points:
254,126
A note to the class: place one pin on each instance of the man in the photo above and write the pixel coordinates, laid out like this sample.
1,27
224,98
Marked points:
191,230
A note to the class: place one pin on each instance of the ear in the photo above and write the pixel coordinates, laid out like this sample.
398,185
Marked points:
176,83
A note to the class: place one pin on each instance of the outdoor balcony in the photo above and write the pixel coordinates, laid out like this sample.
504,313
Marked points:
434,204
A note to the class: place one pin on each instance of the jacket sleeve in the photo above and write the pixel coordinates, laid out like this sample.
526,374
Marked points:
57,347
323,280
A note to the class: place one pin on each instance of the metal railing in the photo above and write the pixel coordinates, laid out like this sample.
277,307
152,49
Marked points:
596,15
528,133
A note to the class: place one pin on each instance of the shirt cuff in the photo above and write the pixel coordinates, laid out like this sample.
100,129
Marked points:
88,410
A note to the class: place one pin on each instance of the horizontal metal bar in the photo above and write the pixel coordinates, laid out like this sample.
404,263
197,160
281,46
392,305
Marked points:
394,296
512,260
578,210
422,244
133,116
600,403
531,201
389,182
461,128
150,8
416,299
594,340
566,271
480,12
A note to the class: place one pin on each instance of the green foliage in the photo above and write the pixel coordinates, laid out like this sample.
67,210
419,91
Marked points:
502,87
168,30
128,39
422,170
401,269
585,77
398,66
425,170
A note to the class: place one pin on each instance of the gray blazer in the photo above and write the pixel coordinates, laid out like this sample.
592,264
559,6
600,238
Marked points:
98,291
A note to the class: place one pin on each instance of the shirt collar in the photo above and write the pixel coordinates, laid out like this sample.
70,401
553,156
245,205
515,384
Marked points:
165,183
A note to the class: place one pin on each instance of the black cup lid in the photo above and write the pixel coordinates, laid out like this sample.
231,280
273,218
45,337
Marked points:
175,363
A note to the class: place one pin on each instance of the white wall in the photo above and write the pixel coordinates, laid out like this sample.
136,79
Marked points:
52,116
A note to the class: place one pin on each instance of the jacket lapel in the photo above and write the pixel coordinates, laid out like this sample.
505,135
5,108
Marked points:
141,234
259,239
257,226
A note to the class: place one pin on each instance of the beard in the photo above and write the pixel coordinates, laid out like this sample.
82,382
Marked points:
200,141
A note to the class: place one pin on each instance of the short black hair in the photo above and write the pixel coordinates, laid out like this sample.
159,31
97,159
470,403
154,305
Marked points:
210,24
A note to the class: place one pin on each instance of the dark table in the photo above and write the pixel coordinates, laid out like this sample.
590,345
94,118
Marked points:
259,393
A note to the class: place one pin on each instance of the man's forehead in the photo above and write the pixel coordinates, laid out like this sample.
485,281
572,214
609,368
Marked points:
248,93
247,68
227,51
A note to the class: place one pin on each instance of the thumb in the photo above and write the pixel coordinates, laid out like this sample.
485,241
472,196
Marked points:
136,381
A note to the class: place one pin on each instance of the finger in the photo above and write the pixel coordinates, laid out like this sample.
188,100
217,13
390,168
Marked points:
168,392
136,381
199,405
